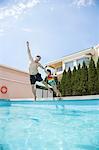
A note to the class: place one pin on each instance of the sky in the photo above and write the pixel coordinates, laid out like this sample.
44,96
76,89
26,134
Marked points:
54,28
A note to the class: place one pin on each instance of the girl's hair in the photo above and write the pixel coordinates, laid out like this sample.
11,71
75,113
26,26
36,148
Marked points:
48,70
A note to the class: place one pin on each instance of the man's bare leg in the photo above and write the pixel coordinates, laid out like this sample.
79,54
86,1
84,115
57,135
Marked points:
34,91
46,86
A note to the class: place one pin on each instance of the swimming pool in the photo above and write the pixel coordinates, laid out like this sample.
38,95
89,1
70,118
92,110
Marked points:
49,125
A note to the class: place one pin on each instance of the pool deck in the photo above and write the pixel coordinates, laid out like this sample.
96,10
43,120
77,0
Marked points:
87,97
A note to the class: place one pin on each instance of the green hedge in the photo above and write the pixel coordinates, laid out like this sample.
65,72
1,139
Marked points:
81,81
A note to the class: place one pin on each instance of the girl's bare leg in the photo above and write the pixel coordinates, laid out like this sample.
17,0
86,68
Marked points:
46,86
57,91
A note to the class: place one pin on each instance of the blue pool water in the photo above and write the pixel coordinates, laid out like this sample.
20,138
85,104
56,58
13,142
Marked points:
56,125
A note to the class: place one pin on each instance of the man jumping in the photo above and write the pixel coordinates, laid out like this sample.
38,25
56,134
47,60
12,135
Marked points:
33,71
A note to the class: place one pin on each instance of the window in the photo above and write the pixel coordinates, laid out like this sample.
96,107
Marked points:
80,61
69,64
59,69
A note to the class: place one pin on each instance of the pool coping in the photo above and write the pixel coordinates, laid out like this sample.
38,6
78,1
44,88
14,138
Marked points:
68,98
57,98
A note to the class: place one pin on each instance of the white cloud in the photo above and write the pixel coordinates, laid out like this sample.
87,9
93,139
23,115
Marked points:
83,3
1,30
27,29
17,9
52,9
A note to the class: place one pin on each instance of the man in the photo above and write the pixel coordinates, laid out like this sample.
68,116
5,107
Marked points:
34,64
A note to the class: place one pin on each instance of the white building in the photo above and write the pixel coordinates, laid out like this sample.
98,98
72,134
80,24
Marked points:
74,59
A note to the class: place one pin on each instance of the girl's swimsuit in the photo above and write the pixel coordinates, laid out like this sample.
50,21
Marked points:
51,80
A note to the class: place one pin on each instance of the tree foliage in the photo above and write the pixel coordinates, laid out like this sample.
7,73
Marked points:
92,78
83,80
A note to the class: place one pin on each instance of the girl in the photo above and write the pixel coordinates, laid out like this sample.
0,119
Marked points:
51,81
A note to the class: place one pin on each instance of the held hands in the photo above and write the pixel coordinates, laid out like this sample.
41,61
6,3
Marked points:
45,71
45,67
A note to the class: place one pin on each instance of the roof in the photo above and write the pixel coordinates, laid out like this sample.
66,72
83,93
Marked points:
66,56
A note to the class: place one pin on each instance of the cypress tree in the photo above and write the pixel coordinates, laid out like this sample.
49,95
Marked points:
73,81
92,78
78,81
59,86
84,79
98,76
68,83
63,83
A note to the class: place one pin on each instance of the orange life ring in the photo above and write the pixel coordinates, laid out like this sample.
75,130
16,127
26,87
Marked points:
4,89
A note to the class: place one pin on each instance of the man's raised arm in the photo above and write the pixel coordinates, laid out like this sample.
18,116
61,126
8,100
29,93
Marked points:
43,68
29,52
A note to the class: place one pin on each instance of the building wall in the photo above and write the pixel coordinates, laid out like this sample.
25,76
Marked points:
18,84
96,53
80,56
